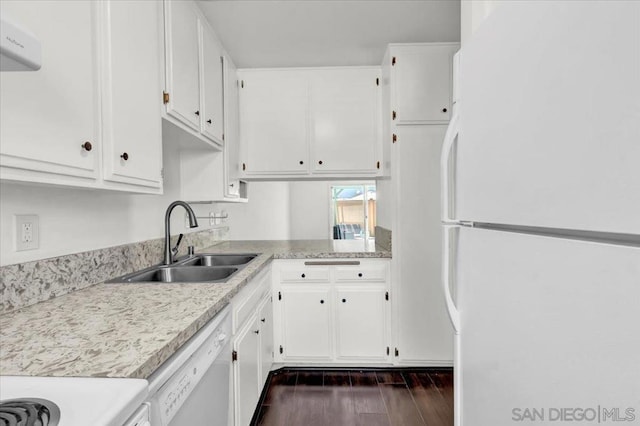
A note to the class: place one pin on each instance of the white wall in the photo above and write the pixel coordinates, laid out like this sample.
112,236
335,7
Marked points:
74,220
310,210
472,13
265,217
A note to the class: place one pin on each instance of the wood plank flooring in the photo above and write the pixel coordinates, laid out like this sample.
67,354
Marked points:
359,398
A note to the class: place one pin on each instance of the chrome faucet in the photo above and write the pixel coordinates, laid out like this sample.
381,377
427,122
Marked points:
169,252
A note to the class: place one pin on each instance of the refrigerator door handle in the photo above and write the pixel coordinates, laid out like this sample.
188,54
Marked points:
447,147
454,314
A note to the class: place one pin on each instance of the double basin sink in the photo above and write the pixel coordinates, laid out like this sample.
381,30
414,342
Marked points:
198,268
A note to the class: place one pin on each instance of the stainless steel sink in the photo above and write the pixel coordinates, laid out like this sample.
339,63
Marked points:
218,259
199,268
180,274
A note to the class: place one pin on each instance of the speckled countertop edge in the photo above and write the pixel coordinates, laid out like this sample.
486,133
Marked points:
136,327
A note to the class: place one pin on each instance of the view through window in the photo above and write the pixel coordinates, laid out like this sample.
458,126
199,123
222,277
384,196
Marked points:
354,212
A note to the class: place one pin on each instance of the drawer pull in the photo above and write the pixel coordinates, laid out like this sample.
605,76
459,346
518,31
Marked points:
344,300
332,263
360,274
303,275
321,301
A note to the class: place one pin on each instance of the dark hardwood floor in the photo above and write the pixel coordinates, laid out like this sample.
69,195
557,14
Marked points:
359,398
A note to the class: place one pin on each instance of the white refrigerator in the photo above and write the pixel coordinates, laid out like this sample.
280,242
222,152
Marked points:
541,216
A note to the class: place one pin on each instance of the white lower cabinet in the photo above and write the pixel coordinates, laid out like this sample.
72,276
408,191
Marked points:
265,325
360,323
247,371
334,311
306,321
252,314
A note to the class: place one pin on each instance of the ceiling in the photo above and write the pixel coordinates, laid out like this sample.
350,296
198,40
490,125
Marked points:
294,33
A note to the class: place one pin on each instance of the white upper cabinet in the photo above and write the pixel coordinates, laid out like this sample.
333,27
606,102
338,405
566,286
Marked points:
90,116
274,124
193,74
132,132
49,117
182,68
210,175
422,81
298,123
211,114
231,166
346,119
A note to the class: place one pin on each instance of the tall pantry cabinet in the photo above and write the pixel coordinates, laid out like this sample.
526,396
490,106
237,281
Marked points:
417,101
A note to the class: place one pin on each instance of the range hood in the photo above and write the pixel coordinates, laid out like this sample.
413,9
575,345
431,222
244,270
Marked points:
19,49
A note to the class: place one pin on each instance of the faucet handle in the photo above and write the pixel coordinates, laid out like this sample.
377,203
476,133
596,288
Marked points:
175,249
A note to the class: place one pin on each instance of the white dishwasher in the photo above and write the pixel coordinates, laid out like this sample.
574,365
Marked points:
192,387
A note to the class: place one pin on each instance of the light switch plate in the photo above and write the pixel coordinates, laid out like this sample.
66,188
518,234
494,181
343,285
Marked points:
27,234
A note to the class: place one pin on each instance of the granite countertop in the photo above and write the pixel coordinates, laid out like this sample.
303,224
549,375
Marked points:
129,330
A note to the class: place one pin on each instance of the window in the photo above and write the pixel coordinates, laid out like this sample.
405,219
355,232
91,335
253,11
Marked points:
353,208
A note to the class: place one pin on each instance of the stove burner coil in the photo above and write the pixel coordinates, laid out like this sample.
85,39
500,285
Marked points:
29,412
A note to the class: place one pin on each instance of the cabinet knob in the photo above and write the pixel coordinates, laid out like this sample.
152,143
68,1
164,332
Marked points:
256,331
231,185
360,274
87,146
344,300
209,121
197,113
321,301
124,156
320,162
303,275
301,162
263,319
444,110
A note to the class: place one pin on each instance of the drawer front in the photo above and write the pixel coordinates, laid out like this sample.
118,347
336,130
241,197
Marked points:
367,273
305,274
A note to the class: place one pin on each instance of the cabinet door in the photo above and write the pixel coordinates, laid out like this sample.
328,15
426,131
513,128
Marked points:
182,56
345,111
48,115
274,117
306,322
246,369
232,129
265,318
422,79
132,133
211,81
424,330
361,322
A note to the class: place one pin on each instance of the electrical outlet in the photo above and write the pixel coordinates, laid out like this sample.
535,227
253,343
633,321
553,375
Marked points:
27,232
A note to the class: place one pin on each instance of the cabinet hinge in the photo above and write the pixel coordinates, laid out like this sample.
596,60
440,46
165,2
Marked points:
165,98
242,84
223,136
387,350
378,165
393,61
377,82
386,295
393,115
162,173
279,296
244,167
397,352
281,349
394,138
234,356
